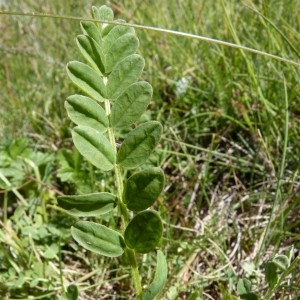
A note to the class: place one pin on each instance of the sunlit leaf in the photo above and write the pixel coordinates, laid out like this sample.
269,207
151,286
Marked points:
129,107
143,188
125,73
104,13
281,261
85,111
144,232
92,30
111,32
88,80
139,144
244,286
98,238
121,30
91,51
88,205
95,147
116,50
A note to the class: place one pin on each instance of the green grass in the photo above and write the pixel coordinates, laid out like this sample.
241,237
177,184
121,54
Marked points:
230,149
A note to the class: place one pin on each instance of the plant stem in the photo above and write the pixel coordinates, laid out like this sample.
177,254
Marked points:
123,210
135,274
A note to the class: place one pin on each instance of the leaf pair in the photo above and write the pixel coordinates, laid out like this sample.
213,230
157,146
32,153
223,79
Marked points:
142,235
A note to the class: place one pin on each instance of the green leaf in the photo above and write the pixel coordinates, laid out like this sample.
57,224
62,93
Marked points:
98,238
91,51
281,261
88,205
103,12
51,251
129,107
92,30
125,73
86,112
139,144
244,286
121,30
112,32
144,232
95,147
160,278
249,296
271,274
88,80
116,50
72,292
143,188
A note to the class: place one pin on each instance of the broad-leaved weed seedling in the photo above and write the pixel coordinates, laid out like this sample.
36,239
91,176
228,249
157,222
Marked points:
114,99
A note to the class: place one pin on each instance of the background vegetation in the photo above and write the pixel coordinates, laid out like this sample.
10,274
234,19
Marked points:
230,150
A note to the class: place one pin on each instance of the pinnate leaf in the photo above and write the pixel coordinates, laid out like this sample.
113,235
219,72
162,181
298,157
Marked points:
160,278
144,232
143,188
95,147
84,111
98,238
88,80
129,107
88,205
139,144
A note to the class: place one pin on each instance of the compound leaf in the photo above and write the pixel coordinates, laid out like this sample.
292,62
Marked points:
160,278
88,80
143,188
125,73
95,147
129,107
98,238
88,205
144,232
84,111
139,144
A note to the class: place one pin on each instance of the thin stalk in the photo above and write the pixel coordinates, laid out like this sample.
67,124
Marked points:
161,30
279,179
60,267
